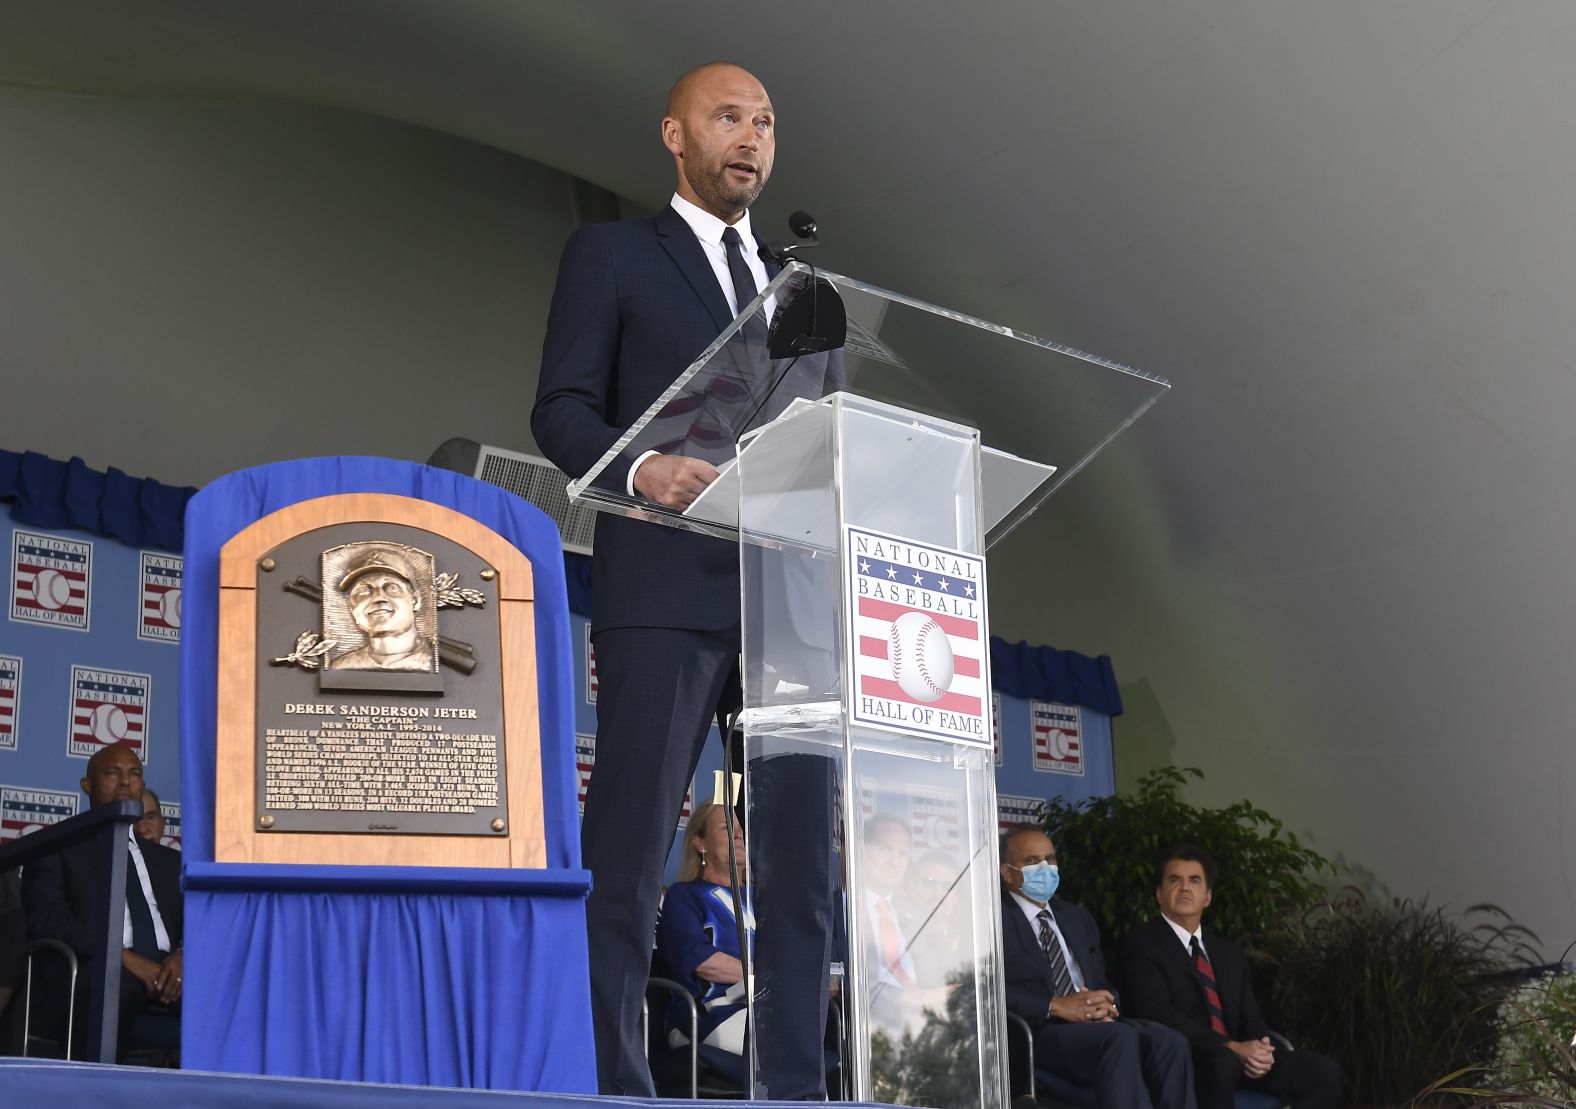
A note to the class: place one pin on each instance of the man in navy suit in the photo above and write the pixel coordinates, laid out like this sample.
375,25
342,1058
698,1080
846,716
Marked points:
1055,977
636,302
61,894
1200,987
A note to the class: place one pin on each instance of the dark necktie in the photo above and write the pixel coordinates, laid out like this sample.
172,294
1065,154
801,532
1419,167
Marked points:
744,289
1053,955
144,937
1217,1015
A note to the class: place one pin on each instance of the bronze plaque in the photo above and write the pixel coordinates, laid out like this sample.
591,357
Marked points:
379,701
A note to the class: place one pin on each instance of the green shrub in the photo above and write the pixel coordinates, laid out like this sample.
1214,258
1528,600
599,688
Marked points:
1536,1053
1400,993
1107,847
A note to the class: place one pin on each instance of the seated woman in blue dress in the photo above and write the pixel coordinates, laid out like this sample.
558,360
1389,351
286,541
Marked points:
698,934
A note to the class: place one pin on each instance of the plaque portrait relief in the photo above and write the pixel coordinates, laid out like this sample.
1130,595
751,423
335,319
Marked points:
380,610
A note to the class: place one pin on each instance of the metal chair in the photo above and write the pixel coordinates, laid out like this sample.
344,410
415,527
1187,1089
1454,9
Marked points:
70,956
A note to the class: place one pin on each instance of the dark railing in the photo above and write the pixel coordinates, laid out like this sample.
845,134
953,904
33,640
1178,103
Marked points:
105,826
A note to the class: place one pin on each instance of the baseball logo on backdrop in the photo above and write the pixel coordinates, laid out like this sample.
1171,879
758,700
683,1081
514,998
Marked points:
1017,810
159,611
10,700
687,807
108,707
917,638
590,668
171,811
51,580
1058,737
935,817
585,762
24,810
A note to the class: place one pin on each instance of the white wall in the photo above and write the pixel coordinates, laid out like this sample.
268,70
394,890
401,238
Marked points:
190,286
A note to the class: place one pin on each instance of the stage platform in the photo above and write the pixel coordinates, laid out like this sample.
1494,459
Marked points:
29,1083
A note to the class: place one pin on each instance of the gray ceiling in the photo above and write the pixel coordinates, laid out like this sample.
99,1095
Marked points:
1333,562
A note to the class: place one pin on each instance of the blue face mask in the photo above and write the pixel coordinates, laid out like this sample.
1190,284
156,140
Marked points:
1040,881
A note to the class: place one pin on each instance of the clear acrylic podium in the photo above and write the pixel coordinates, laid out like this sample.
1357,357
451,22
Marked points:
863,500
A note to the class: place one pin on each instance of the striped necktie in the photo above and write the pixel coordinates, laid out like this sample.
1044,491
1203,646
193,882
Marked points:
1217,1015
1053,955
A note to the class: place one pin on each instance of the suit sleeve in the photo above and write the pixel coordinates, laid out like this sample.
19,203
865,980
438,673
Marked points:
1148,992
50,915
1248,1018
577,390
1083,938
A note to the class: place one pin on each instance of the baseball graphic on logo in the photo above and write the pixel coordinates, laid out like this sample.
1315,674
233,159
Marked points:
920,655
1059,744
51,589
170,608
109,723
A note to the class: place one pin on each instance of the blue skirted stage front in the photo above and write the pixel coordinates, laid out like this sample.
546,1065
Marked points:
422,976
33,1082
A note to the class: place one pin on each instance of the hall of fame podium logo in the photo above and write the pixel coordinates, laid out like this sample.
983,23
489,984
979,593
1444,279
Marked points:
51,580
108,707
10,700
1058,738
24,810
159,610
1012,810
917,638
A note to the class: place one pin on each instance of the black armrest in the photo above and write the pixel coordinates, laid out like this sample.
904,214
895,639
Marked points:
1014,1021
669,986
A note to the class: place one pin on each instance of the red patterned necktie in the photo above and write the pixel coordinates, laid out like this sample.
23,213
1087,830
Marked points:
1217,1015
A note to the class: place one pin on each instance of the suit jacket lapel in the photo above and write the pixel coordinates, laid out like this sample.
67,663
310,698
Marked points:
682,246
1169,943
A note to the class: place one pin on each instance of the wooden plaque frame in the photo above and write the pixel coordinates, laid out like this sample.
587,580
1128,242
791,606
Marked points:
236,839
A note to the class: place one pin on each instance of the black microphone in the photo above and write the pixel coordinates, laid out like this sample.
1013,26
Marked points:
802,224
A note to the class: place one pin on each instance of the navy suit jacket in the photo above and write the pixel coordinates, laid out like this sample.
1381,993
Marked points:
1162,985
1030,986
636,302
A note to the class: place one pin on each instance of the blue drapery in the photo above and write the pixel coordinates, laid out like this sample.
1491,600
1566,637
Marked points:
140,512
410,975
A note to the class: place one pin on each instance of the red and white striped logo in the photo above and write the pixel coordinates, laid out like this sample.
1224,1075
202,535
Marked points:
51,580
159,612
585,762
24,810
1058,737
995,724
917,638
1017,810
10,700
108,707
590,669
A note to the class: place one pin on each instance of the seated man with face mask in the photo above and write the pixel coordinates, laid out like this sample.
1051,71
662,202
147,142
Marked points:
1055,978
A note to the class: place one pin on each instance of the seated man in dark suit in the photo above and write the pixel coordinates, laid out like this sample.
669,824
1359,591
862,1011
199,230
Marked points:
61,891
1173,974
1055,978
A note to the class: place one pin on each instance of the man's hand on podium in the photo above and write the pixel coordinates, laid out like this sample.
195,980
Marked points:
673,480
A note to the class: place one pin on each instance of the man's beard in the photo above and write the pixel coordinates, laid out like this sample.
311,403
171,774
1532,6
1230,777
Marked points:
720,194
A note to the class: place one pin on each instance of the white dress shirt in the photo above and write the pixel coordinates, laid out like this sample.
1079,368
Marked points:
708,232
1031,910
1187,937
160,933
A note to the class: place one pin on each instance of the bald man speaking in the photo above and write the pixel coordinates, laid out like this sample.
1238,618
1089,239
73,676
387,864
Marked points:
636,302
